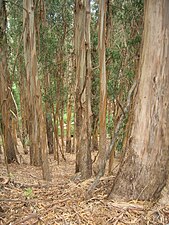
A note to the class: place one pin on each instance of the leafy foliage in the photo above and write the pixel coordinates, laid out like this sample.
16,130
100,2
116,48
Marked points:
56,60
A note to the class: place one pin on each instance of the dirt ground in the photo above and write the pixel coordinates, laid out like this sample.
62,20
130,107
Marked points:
26,199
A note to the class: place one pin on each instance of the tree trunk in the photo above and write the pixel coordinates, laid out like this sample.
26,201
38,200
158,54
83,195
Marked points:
37,123
5,103
68,129
95,145
103,84
83,70
49,117
61,122
56,149
42,136
31,72
144,170
23,105
49,129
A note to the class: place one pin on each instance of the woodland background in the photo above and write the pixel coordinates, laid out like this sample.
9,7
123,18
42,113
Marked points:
70,74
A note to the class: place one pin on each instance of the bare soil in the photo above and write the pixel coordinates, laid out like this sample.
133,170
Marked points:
26,199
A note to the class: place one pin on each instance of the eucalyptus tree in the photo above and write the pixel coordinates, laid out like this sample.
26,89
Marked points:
103,81
37,128
83,88
95,75
144,170
7,114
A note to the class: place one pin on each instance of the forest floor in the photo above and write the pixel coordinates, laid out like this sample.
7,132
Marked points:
26,199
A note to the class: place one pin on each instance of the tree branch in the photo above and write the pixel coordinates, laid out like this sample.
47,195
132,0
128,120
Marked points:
107,155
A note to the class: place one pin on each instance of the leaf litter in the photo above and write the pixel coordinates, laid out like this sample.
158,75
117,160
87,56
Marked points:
25,199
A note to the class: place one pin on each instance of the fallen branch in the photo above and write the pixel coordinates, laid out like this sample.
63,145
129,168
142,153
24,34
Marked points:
107,154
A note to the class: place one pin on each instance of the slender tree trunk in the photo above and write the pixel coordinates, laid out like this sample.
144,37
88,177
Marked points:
68,129
49,129
116,116
42,137
83,70
56,149
95,144
144,170
5,103
87,112
49,122
56,122
61,121
23,106
103,83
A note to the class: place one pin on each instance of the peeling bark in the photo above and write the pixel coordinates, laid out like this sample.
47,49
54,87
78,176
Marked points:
5,95
83,88
37,123
103,85
144,170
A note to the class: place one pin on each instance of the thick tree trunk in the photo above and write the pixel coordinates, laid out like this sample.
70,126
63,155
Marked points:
31,72
144,170
37,123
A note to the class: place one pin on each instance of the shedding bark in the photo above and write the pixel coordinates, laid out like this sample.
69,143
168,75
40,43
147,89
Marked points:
9,145
103,84
144,170
83,88
37,123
